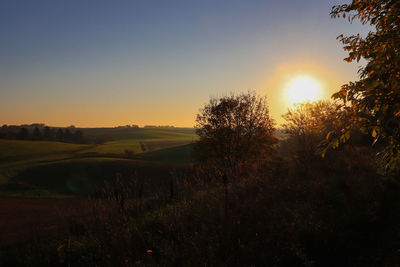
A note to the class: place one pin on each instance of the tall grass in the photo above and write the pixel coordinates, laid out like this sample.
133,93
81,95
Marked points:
335,212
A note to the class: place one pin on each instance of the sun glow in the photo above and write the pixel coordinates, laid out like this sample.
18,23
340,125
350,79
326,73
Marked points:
303,89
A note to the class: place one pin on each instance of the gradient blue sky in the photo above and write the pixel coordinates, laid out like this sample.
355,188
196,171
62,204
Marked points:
115,62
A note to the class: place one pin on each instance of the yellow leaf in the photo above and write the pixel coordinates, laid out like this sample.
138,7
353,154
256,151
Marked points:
328,135
373,133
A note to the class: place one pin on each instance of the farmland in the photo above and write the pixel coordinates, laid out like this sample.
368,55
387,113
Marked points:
53,179
44,168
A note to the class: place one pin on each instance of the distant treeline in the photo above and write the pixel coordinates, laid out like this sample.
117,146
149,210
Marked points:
160,126
71,134
41,132
134,126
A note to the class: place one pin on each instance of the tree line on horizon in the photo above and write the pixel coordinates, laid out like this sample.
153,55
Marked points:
43,133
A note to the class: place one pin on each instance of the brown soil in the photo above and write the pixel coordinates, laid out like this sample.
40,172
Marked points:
23,219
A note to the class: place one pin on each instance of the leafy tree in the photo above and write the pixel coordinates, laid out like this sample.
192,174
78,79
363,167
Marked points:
78,137
47,134
307,125
67,135
235,133
60,134
23,133
36,134
373,102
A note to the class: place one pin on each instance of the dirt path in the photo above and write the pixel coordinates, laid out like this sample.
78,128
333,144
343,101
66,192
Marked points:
22,219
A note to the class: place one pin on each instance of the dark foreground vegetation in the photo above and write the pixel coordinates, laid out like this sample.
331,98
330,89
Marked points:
270,204
330,212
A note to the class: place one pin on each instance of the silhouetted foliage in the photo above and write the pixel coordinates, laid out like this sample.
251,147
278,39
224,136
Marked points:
78,137
60,134
67,135
47,134
338,213
40,132
23,134
307,125
306,129
236,132
373,103
36,134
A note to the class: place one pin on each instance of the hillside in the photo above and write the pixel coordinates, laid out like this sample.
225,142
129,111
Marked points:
45,168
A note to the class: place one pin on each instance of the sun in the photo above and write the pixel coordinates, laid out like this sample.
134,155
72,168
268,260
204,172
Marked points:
303,89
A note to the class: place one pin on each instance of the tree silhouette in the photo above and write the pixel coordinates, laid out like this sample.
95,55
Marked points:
23,133
60,135
308,123
36,134
67,135
47,134
373,103
78,137
236,132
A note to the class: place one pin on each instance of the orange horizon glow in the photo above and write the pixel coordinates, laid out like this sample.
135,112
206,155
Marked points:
283,89
98,65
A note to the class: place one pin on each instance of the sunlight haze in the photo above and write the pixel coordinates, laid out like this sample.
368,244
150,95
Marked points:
303,89
108,63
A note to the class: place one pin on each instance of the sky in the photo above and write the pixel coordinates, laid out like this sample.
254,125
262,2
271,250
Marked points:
97,63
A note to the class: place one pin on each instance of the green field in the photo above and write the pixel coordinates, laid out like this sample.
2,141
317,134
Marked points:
16,150
141,133
134,146
38,168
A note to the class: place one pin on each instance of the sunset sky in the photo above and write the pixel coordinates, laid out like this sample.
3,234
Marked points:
107,63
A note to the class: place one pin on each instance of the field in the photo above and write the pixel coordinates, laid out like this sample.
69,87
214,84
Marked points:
27,218
134,200
52,179
55,169
141,133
